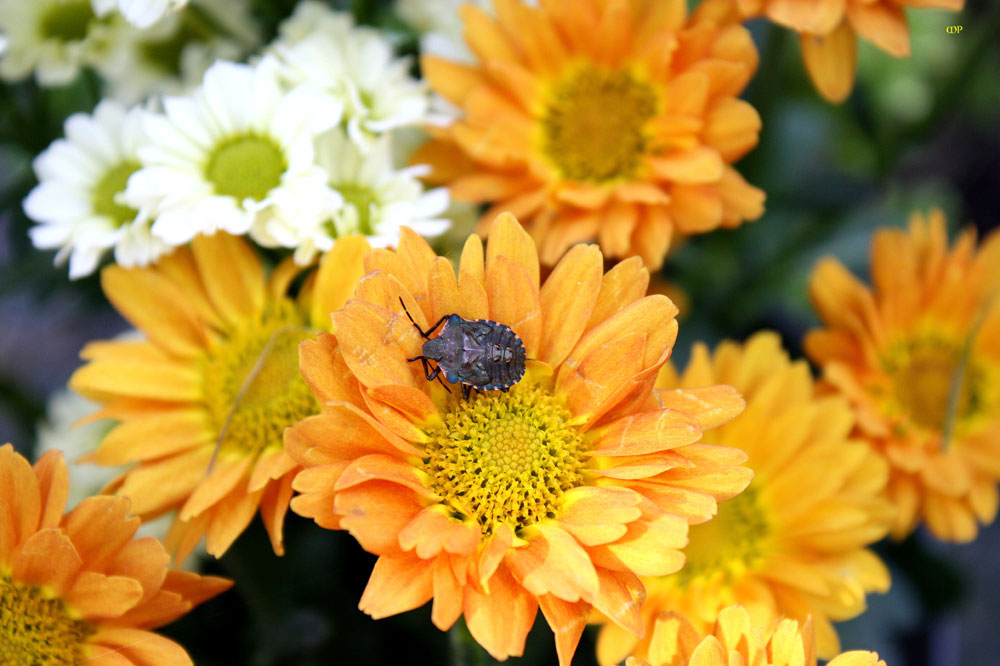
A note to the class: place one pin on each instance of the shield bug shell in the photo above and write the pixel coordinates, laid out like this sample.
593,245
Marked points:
476,353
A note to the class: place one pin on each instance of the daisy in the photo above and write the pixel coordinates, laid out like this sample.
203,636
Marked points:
234,155
918,356
140,13
794,543
378,200
78,204
171,56
555,495
78,588
615,121
355,63
203,400
737,641
54,39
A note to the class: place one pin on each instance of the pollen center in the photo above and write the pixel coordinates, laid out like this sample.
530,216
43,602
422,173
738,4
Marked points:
594,127
924,372
67,21
246,167
252,382
359,199
112,183
505,458
35,629
729,544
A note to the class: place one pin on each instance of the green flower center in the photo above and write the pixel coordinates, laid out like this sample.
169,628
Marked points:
112,183
66,21
505,458
252,383
924,371
246,167
594,126
165,54
37,630
729,544
359,198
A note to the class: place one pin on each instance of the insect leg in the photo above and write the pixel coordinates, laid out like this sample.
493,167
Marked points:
430,375
424,334
466,391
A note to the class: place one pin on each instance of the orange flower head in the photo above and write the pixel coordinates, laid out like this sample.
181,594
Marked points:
793,543
202,401
737,641
918,356
829,29
558,493
77,588
594,119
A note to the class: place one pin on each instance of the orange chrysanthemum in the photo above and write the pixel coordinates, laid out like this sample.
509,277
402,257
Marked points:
203,401
737,641
829,29
919,357
556,494
77,588
607,119
793,543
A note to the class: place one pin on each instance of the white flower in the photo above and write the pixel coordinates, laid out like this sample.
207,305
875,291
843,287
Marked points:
59,431
77,203
355,63
52,38
378,200
234,155
440,26
171,56
140,13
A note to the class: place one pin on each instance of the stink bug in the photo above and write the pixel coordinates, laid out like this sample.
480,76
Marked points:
476,353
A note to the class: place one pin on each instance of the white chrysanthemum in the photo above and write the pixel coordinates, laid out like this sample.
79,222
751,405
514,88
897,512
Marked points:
234,155
140,13
78,200
52,38
171,56
355,63
378,199
59,431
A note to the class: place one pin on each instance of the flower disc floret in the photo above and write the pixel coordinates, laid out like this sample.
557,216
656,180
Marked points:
36,629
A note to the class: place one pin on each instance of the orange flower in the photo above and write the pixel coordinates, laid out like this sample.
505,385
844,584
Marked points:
204,399
793,543
919,358
829,28
613,120
736,641
557,494
78,588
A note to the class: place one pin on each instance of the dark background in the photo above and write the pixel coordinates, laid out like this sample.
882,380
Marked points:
915,133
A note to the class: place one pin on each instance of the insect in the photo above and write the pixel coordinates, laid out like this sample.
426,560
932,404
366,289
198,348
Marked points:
476,353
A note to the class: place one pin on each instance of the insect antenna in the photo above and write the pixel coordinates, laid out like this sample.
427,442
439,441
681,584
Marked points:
248,382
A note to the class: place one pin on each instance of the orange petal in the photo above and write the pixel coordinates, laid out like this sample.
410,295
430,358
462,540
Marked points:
594,384
397,584
382,468
567,621
340,269
231,275
695,208
617,226
493,553
154,377
95,595
157,307
500,620
448,595
710,406
507,237
882,24
229,518
554,563
596,515
272,464
376,342
647,432
323,367
432,531
144,560
156,486
484,36
450,79
53,487
652,548
162,433
376,513
142,648
225,475
273,507
732,128
514,301
47,558
817,18
567,301
623,285
831,61
99,529
620,597
697,165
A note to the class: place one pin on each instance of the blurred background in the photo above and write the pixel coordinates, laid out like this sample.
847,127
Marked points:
915,133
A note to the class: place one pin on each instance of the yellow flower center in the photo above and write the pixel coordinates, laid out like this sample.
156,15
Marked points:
67,21
594,126
505,457
924,372
35,629
246,166
112,183
729,544
252,383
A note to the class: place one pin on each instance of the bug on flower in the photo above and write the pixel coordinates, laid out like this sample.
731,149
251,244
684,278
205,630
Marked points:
476,353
